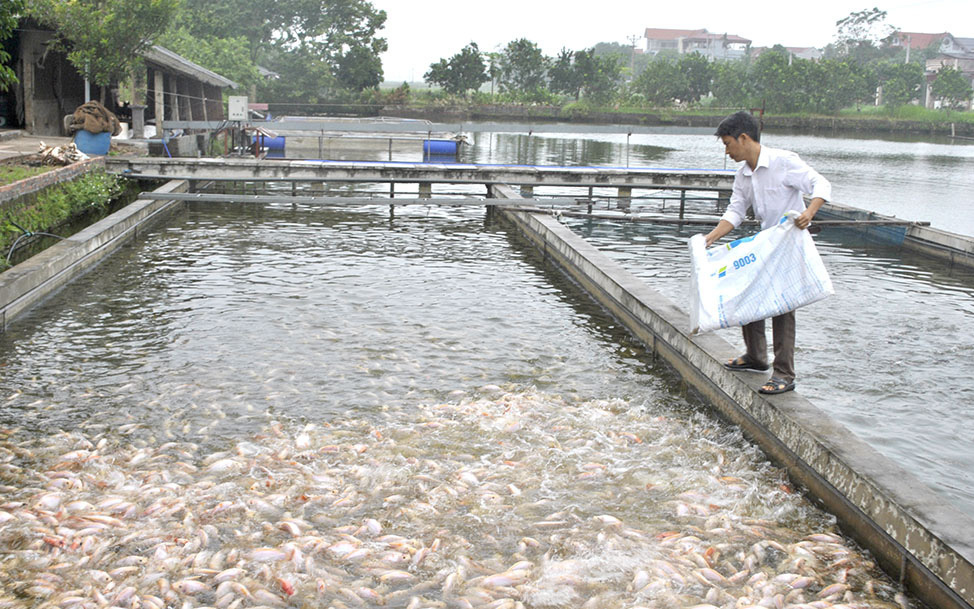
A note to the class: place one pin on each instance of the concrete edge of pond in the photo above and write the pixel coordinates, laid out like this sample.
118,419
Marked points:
919,539
33,280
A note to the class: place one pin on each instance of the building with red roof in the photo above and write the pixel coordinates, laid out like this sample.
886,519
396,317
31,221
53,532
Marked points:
708,44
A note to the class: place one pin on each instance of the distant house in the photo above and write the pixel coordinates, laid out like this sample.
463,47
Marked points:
962,62
810,53
919,40
50,87
945,42
710,45
952,51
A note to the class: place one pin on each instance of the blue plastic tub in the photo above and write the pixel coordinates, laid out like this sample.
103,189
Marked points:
93,143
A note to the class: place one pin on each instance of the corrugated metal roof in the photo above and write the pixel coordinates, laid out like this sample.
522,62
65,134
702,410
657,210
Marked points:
167,59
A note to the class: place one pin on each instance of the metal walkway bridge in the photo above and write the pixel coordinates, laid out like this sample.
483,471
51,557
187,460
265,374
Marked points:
526,176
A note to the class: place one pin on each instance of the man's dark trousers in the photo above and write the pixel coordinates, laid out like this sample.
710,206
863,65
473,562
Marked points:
783,331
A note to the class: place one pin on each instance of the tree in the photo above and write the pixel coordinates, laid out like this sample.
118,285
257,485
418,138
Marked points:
776,80
698,74
304,77
359,68
731,85
228,57
574,72
598,76
842,83
9,14
522,67
103,38
952,88
661,82
463,72
340,34
901,82
563,78
860,33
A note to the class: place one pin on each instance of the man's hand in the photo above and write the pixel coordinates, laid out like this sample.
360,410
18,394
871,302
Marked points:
723,227
805,218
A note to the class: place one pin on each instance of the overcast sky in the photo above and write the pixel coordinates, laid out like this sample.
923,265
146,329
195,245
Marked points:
421,32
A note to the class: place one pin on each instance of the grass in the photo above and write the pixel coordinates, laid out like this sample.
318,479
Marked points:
910,113
13,173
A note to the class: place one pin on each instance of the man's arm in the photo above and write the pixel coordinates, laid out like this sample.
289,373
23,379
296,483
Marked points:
805,218
723,227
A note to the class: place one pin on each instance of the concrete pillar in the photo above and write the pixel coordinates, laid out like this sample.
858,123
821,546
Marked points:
28,77
425,190
174,94
138,121
138,103
625,197
160,106
203,101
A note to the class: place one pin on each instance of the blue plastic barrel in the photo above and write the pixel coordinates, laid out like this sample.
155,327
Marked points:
271,143
439,147
93,143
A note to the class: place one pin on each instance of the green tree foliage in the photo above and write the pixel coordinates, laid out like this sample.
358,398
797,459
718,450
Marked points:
842,83
463,72
304,78
10,12
779,81
631,62
599,76
731,86
522,68
337,40
103,38
952,88
228,57
562,75
573,73
860,32
901,82
698,74
359,68
661,82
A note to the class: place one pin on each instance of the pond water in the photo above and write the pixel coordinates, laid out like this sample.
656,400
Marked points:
921,179
917,178
285,406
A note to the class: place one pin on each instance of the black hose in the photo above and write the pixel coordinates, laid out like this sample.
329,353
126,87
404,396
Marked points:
27,233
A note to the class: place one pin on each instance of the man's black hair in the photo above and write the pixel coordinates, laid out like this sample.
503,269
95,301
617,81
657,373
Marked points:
738,123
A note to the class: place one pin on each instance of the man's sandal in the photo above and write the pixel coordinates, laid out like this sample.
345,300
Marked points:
745,363
776,385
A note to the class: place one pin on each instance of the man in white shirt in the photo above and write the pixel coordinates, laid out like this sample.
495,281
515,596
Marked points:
770,182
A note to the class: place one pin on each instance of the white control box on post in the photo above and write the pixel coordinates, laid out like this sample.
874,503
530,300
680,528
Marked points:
237,108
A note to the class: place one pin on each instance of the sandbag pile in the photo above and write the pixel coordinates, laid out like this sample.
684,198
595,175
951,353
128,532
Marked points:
94,118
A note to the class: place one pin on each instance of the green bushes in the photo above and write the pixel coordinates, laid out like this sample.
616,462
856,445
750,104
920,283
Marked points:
48,209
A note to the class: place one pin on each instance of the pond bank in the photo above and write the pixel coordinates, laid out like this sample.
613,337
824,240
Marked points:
812,124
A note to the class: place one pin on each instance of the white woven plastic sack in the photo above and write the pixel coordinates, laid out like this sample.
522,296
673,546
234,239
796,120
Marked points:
756,277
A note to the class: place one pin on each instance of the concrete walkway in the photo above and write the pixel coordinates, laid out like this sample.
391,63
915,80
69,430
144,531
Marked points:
15,143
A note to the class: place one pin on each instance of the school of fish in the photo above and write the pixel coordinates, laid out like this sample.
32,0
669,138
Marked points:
491,499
